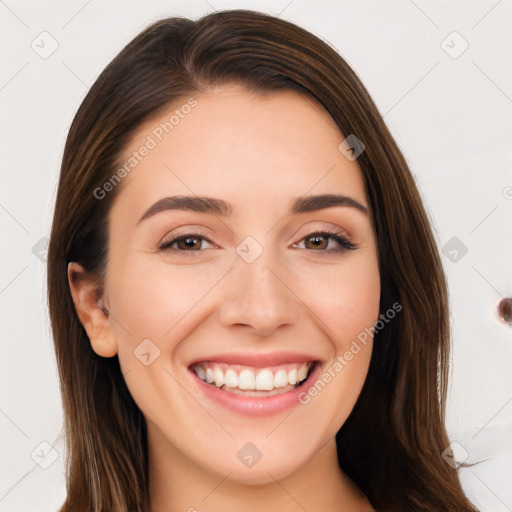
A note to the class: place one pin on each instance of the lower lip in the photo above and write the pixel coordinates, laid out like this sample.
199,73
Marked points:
257,406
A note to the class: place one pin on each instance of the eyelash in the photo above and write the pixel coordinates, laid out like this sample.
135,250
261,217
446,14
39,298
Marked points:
331,235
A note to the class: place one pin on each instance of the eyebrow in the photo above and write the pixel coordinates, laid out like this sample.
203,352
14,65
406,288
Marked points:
222,208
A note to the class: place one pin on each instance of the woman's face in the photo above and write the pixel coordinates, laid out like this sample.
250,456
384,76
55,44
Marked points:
251,296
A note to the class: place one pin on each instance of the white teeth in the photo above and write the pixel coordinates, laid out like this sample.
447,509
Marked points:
218,376
248,378
231,379
265,380
280,379
302,373
200,372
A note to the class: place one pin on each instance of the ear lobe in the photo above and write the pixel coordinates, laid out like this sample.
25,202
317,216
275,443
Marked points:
91,313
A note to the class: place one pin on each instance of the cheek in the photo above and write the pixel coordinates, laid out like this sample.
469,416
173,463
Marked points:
150,298
347,300
346,297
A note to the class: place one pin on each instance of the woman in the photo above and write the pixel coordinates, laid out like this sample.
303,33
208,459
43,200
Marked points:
248,305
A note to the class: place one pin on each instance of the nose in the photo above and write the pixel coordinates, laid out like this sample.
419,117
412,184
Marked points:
259,295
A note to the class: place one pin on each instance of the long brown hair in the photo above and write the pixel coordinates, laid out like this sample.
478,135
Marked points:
392,442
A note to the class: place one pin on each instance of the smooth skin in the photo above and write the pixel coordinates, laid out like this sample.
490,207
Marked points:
257,152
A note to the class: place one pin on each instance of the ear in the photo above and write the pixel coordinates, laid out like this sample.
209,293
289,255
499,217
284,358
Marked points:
91,313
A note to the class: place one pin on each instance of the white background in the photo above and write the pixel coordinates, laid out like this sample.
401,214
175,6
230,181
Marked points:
450,116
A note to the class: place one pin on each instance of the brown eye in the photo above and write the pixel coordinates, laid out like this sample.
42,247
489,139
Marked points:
190,242
185,243
318,242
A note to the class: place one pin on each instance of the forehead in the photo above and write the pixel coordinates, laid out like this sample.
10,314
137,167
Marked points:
240,145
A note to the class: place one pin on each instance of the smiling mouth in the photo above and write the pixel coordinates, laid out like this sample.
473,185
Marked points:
251,381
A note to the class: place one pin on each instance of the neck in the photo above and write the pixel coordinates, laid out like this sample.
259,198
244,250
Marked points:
176,483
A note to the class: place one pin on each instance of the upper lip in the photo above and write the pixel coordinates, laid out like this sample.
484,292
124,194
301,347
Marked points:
258,360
